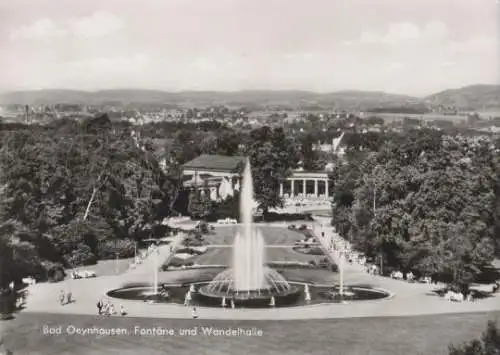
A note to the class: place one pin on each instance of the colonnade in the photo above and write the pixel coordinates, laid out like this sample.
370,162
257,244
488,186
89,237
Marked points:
302,188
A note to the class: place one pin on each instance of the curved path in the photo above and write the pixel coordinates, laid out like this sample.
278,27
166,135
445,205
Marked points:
409,299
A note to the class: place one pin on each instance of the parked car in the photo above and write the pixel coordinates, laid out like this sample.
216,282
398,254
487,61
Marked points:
83,274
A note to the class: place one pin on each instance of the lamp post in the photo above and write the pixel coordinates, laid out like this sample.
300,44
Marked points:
155,280
116,262
341,270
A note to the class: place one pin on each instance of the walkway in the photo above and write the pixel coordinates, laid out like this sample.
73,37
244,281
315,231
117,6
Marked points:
410,299
163,254
279,246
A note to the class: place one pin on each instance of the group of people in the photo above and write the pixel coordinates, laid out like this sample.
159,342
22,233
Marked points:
108,309
65,298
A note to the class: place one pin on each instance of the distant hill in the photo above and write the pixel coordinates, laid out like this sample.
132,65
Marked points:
474,97
471,97
252,98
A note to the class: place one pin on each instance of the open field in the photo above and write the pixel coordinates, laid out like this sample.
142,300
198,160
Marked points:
385,336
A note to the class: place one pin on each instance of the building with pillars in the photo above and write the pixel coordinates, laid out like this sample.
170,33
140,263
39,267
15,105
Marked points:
307,184
218,177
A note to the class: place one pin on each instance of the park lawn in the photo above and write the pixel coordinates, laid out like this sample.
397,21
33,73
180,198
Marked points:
374,336
272,235
224,255
322,213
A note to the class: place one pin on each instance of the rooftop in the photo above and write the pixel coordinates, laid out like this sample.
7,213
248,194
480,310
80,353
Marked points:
215,162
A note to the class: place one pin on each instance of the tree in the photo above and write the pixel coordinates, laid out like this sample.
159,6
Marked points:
272,157
308,155
66,188
424,201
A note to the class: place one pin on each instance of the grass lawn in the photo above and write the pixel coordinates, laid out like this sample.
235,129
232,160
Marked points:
272,235
399,335
223,256
322,213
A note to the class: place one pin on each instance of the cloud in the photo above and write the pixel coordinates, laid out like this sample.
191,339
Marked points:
403,32
98,24
118,64
41,29
435,30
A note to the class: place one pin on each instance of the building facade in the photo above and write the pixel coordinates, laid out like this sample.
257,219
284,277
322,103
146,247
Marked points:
218,177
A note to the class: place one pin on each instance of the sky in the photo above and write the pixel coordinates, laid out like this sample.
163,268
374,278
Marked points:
414,47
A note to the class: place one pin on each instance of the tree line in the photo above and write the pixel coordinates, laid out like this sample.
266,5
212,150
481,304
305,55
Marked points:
424,202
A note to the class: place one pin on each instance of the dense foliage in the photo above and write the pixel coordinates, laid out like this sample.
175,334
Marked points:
273,155
422,202
69,189
488,344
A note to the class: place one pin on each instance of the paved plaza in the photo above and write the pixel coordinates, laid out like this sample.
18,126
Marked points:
403,300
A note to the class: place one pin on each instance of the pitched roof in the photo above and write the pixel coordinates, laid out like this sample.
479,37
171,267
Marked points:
215,162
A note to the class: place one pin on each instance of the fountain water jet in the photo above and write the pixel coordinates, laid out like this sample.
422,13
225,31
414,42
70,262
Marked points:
249,281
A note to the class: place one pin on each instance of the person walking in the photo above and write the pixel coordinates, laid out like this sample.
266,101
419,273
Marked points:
105,308
99,307
123,312
62,297
194,313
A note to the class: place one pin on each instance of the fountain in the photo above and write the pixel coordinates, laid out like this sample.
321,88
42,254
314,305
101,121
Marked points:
307,293
155,281
249,282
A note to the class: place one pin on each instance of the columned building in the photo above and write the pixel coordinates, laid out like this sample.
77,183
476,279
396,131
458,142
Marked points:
312,184
218,177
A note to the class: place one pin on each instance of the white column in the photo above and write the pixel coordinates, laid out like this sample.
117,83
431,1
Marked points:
316,187
304,187
292,190
281,189
326,188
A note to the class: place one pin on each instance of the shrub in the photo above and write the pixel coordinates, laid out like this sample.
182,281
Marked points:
82,255
125,248
177,262
307,234
7,303
203,227
188,251
193,242
488,344
315,251
53,272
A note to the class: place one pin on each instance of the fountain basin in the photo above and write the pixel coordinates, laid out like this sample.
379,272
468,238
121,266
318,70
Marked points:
319,294
249,299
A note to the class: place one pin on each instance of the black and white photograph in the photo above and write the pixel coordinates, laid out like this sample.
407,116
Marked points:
250,177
